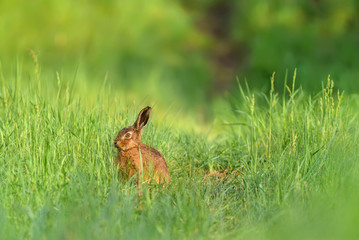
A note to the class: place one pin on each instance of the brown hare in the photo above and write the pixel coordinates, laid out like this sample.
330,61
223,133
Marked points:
132,153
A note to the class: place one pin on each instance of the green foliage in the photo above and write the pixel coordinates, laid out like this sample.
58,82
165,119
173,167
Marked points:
317,37
181,50
282,167
275,165
148,48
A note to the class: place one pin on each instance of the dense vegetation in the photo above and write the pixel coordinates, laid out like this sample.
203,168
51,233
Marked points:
275,157
260,37
190,50
285,169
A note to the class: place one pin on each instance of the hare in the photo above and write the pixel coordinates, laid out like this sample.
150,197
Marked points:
132,153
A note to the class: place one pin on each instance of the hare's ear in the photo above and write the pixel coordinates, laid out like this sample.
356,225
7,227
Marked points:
142,118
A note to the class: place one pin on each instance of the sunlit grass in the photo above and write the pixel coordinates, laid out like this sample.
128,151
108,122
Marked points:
283,166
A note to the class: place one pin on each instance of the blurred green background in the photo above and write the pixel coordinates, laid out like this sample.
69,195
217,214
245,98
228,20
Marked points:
186,51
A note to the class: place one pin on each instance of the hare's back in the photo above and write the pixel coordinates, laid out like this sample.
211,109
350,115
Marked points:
153,156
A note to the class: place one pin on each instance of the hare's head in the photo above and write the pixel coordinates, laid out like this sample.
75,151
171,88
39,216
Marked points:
130,137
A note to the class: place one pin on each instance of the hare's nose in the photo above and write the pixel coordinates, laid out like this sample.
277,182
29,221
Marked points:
115,144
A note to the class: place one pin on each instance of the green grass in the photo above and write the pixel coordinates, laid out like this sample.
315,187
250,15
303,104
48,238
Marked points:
291,165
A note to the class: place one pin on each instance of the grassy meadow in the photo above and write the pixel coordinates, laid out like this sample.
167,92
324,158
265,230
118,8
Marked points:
274,166
252,155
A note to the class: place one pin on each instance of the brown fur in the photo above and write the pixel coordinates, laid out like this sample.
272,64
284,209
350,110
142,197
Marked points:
129,158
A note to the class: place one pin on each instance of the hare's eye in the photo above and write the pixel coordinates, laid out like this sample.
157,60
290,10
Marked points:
128,135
